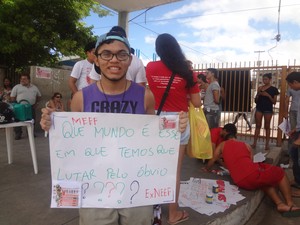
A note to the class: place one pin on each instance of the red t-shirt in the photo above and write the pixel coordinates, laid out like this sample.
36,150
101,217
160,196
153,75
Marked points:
238,161
158,76
215,135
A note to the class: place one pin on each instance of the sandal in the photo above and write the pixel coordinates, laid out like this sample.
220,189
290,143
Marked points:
291,212
184,217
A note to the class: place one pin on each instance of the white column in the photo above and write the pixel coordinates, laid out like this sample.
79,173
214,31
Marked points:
123,21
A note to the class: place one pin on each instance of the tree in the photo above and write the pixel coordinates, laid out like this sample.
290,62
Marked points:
35,32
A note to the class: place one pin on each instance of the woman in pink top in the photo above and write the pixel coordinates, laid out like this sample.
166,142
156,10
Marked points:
246,174
184,87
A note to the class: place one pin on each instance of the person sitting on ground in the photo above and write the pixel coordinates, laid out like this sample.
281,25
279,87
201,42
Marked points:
246,174
217,136
25,91
56,103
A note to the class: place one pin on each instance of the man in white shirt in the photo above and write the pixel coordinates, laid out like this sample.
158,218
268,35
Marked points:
79,76
25,91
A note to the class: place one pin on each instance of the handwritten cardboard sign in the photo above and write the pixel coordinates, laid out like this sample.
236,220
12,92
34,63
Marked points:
105,160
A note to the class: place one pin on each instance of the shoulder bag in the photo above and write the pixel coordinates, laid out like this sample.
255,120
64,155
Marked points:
166,93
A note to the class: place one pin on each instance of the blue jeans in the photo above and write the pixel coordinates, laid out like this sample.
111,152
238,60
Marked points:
295,156
212,118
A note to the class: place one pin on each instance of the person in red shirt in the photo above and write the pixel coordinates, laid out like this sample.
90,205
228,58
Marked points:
217,136
246,174
183,87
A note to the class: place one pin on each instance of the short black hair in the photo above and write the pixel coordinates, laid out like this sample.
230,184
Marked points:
214,71
231,130
268,75
202,77
293,76
89,46
25,74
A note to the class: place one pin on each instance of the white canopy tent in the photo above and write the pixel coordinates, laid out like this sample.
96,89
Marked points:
124,7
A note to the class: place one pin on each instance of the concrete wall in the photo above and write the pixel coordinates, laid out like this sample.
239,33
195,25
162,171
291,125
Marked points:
48,81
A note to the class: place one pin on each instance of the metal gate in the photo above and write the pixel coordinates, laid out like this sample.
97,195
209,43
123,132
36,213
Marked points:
240,82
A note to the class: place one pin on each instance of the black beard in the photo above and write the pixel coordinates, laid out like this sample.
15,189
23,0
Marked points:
113,79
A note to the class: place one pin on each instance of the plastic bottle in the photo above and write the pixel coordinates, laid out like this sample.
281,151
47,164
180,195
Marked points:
157,215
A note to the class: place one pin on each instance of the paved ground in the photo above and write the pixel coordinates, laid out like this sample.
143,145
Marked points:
25,197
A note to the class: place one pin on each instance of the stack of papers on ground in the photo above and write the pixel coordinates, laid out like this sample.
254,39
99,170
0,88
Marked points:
193,194
259,157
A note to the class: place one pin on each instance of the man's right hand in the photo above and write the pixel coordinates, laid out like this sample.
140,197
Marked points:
46,118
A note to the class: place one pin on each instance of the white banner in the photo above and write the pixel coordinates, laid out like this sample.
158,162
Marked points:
104,160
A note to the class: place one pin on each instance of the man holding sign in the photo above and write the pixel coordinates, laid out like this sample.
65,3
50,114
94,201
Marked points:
113,94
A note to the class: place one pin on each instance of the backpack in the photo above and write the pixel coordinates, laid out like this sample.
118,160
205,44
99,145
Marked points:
6,113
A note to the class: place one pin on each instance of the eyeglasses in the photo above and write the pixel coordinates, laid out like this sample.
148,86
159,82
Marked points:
58,96
107,55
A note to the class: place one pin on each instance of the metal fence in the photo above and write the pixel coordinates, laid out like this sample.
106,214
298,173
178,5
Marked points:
240,82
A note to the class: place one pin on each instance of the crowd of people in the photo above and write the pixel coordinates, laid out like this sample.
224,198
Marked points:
112,73
27,93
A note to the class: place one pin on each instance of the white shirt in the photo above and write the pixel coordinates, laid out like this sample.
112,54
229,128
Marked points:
29,93
80,71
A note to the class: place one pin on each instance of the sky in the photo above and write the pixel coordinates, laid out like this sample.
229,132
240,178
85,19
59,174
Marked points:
219,31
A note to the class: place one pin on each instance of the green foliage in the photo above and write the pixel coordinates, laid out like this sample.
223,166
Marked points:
38,32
